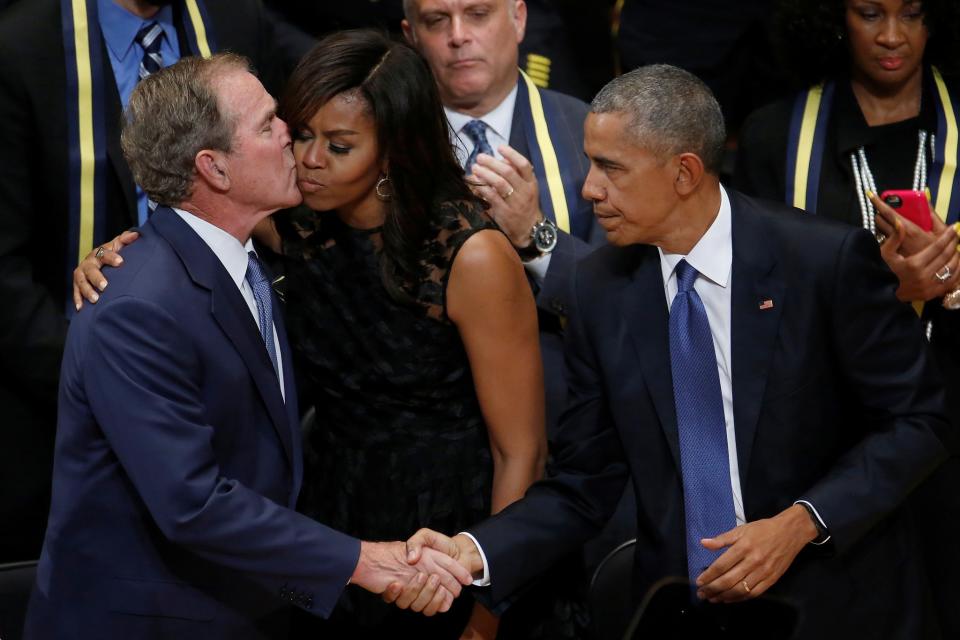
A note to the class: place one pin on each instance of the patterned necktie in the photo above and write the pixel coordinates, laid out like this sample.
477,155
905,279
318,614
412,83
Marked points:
150,37
704,462
260,285
476,130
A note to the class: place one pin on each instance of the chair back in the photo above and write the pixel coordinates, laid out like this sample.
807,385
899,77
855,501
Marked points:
611,593
16,583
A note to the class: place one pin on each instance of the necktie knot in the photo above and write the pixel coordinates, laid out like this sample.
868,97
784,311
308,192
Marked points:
149,37
686,276
476,130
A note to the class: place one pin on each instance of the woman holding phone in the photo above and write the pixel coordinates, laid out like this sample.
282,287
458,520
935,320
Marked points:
880,113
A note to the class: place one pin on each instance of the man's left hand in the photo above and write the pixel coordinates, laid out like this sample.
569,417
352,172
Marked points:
757,554
510,187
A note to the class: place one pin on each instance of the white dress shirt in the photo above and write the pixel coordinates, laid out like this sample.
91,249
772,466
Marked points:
499,124
233,256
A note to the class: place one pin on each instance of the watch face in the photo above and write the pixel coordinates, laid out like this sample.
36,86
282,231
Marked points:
545,237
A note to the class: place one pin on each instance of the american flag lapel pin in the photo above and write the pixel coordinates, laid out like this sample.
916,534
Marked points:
766,304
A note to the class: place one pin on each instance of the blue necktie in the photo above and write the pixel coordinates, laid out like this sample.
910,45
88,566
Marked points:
150,37
704,463
476,130
260,285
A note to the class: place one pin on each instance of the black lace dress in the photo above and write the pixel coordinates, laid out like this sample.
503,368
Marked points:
399,442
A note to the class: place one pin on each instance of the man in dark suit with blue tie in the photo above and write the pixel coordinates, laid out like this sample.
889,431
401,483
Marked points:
751,371
178,459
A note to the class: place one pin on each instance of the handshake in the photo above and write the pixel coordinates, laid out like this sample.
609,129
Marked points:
425,574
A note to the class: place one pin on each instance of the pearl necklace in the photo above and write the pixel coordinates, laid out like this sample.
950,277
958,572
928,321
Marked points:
863,178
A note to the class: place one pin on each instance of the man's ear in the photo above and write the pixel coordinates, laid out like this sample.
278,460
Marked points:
212,168
408,33
520,19
690,172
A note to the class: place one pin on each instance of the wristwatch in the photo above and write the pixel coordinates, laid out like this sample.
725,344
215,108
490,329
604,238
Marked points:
543,240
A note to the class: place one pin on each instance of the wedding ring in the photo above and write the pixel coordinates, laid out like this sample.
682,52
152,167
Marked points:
99,253
507,194
951,301
746,587
881,237
944,274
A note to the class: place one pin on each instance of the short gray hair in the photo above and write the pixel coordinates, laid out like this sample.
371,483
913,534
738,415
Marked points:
173,115
671,111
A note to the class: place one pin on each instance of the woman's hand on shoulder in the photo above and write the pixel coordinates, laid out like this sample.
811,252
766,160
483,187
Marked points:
88,279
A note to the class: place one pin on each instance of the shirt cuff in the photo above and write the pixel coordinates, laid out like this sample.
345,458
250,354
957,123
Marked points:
538,268
812,509
485,580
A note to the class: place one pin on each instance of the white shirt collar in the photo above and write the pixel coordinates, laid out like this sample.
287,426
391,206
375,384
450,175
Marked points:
228,249
500,119
712,256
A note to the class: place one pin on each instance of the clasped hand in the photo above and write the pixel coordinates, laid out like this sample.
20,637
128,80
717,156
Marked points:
429,584
424,544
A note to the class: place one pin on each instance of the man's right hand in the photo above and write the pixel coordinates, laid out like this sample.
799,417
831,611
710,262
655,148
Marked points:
460,547
88,280
428,585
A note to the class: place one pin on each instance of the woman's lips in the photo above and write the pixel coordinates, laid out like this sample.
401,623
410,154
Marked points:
891,64
309,186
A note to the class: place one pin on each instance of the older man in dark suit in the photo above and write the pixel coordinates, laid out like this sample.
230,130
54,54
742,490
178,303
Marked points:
750,370
178,458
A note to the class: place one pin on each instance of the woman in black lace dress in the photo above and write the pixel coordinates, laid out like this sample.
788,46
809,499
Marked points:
412,323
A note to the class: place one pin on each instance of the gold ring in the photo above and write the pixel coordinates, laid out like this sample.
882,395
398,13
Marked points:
99,253
508,194
746,587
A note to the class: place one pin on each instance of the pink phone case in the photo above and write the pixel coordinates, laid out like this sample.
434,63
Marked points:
912,205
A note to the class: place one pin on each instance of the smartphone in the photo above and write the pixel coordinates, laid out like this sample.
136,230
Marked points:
912,205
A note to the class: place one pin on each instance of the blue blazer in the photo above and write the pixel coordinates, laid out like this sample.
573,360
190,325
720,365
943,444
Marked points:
178,464
834,401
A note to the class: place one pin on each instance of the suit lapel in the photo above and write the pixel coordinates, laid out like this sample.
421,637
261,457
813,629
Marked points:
644,309
518,132
232,314
757,301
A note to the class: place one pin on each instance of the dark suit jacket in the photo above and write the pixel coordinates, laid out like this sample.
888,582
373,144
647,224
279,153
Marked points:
33,235
834,400
178,464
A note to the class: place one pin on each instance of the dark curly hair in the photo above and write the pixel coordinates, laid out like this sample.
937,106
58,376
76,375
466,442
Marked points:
412,134
811,38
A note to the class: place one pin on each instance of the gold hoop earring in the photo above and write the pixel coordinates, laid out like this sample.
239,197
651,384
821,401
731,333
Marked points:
384,181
